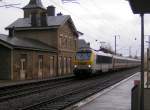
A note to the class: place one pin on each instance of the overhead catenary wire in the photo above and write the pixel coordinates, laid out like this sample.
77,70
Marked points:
94,30
9,5
111,27
89,26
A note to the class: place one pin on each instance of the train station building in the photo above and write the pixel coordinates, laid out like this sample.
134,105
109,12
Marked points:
40,45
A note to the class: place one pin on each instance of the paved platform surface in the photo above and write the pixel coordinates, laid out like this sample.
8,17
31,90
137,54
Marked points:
117,97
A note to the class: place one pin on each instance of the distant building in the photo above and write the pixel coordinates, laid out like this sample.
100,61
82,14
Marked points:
83,44
40,45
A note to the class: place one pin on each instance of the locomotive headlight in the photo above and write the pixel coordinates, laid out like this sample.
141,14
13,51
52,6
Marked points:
89,66
75,66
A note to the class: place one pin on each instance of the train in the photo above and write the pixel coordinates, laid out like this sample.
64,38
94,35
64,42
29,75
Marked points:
89,61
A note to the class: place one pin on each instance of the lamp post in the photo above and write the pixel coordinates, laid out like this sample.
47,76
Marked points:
116,43
142,62
141,7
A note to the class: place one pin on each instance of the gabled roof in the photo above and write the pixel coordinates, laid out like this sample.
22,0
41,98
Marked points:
24,43
51,20
34,4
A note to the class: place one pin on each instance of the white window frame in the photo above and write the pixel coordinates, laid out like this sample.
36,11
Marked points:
22,69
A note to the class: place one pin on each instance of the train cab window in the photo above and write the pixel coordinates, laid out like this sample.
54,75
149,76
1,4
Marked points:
83,55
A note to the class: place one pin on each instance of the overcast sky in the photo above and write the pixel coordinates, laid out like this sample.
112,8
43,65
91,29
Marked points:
98,19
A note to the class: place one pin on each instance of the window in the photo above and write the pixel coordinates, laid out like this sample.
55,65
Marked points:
40,65
66,42
69,65
60,65
23,64
63,43
83,55
65,65
69,43
75,43
51,65
103,59
60,40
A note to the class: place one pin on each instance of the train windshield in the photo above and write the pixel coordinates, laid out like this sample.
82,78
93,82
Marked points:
83,55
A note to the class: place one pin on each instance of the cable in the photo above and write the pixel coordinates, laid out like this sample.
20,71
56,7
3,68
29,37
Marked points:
79,19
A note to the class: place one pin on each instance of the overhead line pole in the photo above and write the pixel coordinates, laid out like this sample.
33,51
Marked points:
116,43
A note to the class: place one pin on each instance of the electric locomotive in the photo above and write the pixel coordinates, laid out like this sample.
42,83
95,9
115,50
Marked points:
88,61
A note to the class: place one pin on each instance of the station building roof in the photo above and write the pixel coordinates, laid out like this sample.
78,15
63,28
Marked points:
24,43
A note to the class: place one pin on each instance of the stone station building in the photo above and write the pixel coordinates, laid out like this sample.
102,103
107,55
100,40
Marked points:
40,45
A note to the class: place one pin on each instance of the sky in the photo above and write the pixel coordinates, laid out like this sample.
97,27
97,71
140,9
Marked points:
99,20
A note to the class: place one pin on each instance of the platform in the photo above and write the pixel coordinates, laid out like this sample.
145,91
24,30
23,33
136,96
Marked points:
4,83
117,97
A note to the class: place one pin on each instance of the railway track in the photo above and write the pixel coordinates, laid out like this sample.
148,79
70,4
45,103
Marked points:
56,94
72,96
21,90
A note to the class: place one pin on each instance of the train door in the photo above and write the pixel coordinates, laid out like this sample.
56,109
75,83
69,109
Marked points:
113,63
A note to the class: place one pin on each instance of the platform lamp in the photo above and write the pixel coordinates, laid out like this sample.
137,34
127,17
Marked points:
141,7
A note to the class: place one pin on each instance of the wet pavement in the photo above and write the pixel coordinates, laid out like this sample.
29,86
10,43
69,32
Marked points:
117,97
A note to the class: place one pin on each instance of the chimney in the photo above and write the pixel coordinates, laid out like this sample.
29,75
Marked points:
11,32
51,10
43,19
34,20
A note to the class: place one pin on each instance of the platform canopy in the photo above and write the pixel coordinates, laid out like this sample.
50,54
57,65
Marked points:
140,6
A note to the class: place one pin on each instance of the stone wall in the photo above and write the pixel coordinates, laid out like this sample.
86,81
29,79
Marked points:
46,36
67,43
62,38
32,64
